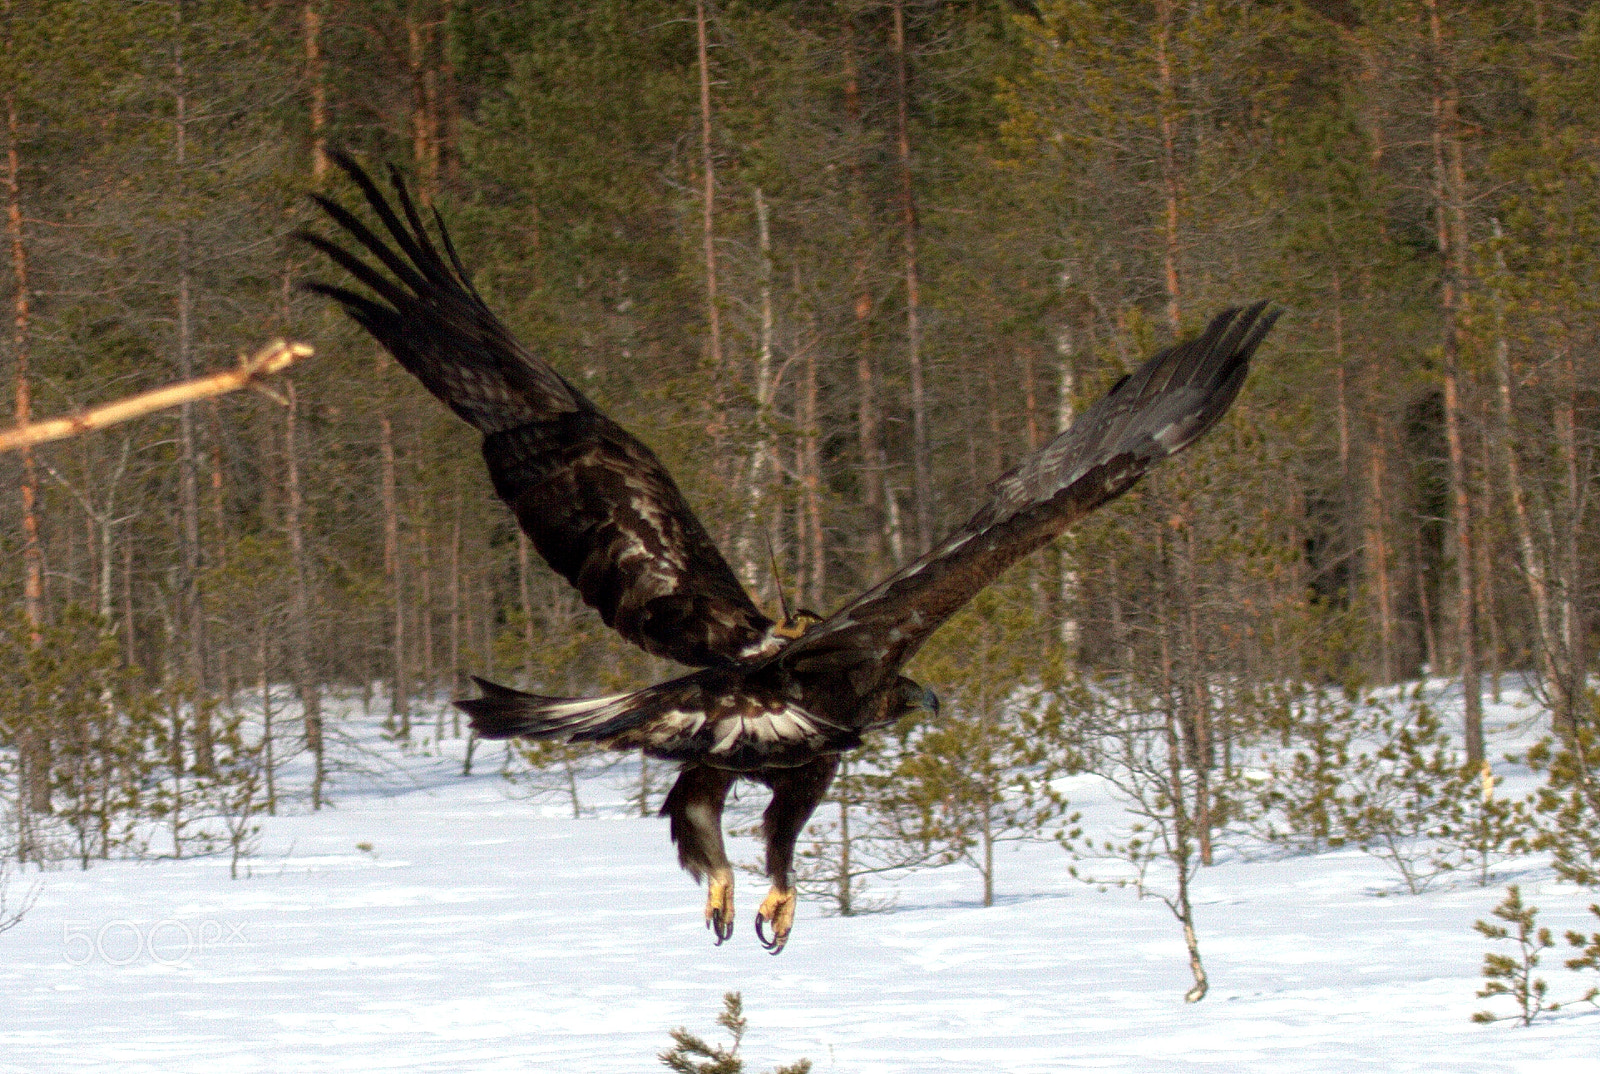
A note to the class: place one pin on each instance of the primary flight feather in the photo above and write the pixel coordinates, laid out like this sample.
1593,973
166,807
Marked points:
774,702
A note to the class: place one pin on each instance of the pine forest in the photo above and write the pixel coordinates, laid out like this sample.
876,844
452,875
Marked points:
840,263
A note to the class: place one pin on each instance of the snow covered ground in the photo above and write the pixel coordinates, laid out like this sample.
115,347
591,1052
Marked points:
433,923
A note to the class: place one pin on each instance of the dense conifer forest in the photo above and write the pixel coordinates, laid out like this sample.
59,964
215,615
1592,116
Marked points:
840,263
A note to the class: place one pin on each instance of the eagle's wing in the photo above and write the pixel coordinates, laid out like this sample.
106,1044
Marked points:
597,504
1152,413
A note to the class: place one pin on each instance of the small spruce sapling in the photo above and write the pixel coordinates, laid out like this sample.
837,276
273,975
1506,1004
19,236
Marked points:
980,773
1296,805
1512,975
1481,829
1400,796
234,786
691,1055
1568,806
1588,956
1390,782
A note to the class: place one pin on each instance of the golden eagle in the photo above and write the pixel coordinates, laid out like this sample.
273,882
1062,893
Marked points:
773,702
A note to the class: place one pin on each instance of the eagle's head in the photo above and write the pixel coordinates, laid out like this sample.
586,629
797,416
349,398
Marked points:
910,699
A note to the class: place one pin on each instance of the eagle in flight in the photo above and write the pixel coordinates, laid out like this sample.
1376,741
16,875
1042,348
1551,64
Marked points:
775,702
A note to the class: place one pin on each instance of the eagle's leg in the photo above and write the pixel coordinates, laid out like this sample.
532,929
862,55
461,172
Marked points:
796,793
694,806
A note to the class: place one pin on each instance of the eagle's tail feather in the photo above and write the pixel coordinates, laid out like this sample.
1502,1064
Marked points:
506,713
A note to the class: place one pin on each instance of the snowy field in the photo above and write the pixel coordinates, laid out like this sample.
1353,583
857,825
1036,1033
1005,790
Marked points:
433,923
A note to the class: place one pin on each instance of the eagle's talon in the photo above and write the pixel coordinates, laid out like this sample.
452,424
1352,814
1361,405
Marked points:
778,908
719,905
715,924
773,945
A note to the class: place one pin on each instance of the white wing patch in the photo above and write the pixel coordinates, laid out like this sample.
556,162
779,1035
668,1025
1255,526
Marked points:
786,725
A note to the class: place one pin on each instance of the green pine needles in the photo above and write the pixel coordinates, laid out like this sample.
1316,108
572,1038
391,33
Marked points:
1588,957
692,1055
1513,975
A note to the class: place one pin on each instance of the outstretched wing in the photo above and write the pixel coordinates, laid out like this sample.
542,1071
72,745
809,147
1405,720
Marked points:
1152,413
597,504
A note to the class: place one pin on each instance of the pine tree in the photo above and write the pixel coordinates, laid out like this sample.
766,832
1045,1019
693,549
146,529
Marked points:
1567,806
691,1055
1588,957
979,774
1512,975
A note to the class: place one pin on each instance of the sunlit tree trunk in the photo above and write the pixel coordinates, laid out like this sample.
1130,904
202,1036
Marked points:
810,468
316,83
33,740
1450,215
1168,107
708,203
921,461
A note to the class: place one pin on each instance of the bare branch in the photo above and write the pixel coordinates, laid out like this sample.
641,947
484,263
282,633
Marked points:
273,358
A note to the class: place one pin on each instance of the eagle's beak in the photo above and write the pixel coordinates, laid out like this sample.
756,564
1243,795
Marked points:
930,700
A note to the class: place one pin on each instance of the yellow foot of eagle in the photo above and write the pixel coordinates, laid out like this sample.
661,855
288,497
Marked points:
719,904
778,908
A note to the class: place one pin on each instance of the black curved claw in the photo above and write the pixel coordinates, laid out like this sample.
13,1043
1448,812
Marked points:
773,945
722,930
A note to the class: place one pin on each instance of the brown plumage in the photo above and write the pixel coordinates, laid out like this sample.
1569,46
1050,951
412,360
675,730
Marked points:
764,704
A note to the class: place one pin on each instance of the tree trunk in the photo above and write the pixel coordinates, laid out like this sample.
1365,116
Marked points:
1377,557
1195,704
1573,620
424,98
708,191
872,464
644,785
525,597
1182,827
33,737
1430,635
987,836
922,464
426,684
219,537
845,893
300,607
811,481
457,680
763,463
399,700
1167,104
1450,200
188,452
268,763
1550,649
1071,581
316,82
